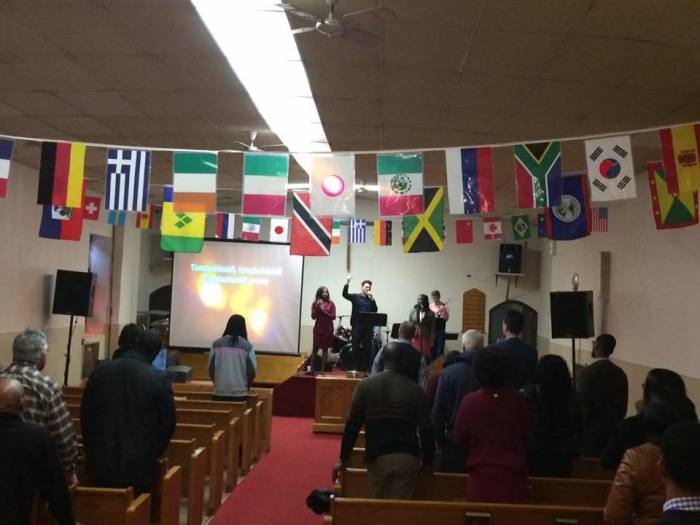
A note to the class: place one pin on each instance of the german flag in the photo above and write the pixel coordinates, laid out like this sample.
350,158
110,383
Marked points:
426,232
61,174
382,233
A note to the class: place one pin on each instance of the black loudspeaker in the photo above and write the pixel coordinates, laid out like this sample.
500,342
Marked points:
510,258
73,293
572,314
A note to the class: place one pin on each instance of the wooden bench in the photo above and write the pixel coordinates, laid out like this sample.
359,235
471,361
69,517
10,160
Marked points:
191,459
266,395
102,506
380,512
212,440
440,486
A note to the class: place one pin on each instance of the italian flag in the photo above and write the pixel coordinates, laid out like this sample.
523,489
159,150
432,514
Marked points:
265,183
400,184
251,229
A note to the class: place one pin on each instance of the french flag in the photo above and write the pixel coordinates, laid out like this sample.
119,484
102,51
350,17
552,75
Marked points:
5,158
469,180
225,223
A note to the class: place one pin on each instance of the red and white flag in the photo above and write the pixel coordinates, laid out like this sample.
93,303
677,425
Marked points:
279,230
493,230
91,208
311,235
465,231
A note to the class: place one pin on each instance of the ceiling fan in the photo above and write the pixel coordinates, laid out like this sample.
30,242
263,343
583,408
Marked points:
251,145
345,26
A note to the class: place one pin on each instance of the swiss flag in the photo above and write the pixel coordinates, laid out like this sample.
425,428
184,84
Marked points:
91,208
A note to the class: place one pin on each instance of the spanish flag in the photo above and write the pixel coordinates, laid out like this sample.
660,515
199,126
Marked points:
681,155
61,174
180,231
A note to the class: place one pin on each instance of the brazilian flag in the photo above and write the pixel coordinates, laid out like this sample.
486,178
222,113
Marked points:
426,232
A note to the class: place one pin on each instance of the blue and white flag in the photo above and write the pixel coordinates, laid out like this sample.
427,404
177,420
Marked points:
116,218
128,175
357,231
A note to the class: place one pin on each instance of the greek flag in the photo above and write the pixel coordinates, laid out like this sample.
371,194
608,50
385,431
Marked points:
128,174
357,231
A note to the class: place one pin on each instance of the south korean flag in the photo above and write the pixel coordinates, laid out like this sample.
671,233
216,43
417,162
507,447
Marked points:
610,168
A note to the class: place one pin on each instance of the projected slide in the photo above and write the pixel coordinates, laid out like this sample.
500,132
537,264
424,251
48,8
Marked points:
261,282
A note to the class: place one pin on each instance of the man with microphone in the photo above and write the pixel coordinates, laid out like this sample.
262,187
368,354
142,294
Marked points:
362,302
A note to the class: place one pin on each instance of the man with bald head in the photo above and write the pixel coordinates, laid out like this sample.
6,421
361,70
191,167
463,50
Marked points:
30,464
393,410
412,364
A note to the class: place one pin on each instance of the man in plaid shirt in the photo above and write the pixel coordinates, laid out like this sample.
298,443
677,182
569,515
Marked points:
43,399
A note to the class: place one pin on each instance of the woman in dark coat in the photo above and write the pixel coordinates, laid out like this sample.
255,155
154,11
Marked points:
323,312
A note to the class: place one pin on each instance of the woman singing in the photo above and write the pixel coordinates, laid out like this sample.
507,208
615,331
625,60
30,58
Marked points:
323,311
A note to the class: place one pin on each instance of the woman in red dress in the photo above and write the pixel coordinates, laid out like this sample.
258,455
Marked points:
323,311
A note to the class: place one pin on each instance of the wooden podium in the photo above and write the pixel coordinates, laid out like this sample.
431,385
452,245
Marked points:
333,397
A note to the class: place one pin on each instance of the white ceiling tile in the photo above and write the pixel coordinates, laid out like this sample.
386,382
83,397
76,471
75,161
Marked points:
99,103
38,103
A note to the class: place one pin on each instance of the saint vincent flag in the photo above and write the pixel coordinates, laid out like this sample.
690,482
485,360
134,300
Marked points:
180,231
425,232
538,174
680,147
382,233
521,227
61,174
670,210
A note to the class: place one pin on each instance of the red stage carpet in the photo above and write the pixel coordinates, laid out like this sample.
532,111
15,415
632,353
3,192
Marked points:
275,491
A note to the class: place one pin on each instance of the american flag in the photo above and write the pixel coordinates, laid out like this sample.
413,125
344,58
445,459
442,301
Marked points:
600,220
128,174
357,231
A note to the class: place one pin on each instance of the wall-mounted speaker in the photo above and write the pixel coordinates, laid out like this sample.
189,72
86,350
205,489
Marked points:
73,293
572,314
510,258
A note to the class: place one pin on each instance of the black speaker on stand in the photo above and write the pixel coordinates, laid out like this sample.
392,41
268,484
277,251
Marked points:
73,296
572,318
510,258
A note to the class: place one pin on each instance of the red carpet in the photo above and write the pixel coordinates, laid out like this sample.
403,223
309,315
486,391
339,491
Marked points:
275,490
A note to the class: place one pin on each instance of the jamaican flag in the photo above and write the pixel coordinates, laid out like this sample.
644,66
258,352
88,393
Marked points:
425,232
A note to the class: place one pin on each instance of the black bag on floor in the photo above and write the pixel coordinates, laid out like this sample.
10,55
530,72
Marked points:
319,501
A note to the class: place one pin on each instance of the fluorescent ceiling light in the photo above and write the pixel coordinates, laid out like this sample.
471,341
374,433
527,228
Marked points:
255,37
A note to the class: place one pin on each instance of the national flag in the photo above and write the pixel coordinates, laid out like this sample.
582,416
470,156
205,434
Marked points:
128,178
61,223
61,174
600,220
225,224
335,239
311,235
680,147
521,227
493,230
91,208
357,231
180,231
400,184
144,219
469,180
265,183
426,232
382,233
250,230
465,231
332,185
670,210
541,230
279,230
194,181
537,174
610,168
5,159
116,218
572,218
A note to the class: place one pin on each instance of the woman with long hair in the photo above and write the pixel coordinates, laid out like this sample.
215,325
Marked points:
232,362
323,312
556,419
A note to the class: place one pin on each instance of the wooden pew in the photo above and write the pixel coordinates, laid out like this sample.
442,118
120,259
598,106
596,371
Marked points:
266,395
213,441
168,493
101,506
380,512
191,459
73,410
452,487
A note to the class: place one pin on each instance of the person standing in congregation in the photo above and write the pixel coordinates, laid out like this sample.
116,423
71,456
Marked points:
232,362
424,319
523,355
323,313
442,314
362,302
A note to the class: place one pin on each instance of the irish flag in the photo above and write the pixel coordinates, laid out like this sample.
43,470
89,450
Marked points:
194,181
251,229
400,184
265,183
335,232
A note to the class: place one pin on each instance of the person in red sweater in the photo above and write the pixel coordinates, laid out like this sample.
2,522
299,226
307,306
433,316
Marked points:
493,425
323,312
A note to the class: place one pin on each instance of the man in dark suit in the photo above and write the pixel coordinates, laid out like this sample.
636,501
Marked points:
361,333
128,418
523,355
680,460
603,390
413,364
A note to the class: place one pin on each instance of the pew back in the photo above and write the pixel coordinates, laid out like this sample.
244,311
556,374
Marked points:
102,506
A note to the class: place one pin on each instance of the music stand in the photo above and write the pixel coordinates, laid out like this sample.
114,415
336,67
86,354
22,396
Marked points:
371,319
